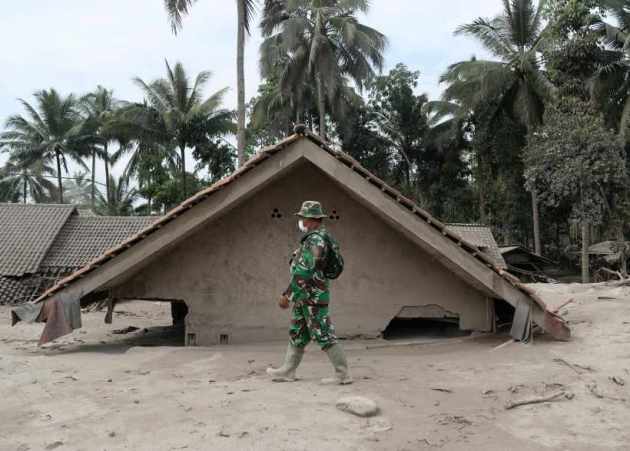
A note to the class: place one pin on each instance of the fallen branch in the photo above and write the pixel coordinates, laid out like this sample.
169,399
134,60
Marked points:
564,304
550,398
574,366
445,390
502,345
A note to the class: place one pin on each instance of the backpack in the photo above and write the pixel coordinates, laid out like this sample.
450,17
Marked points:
333,266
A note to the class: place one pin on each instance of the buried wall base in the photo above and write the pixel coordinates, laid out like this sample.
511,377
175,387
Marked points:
434,321
428,321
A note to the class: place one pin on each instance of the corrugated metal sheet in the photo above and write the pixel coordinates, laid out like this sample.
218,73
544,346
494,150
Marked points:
40,223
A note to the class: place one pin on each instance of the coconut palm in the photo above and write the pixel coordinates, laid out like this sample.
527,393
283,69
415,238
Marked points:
611,84
175,114
319,42
52,130
122,198
515,79
148,164
176,9
99,108
28,180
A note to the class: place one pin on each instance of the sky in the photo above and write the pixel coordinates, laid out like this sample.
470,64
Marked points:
75,45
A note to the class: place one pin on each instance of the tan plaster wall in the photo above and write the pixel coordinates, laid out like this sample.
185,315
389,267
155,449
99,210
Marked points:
231,272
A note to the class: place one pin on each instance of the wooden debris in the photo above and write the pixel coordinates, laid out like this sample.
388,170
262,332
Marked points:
442,389
574,366
618,380
503,345
126,330
551,398
595,391
564,304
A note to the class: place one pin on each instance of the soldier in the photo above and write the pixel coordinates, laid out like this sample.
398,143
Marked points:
308,295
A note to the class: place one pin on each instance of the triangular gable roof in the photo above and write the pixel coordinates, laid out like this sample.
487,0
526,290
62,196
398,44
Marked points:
473,264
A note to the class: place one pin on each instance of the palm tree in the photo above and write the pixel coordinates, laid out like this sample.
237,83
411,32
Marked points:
320,42
245,10
149,163
51,131
79,190
121,201
175,115
515,80
28,180
99,108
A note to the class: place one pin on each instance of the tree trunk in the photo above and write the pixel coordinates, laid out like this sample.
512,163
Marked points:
321,106
108,190
621,242
240,81
59,184
585,266
182,150
25,185
93,198
482,203
536,222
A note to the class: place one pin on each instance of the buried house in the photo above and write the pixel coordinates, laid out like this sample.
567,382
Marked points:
224,254
41,244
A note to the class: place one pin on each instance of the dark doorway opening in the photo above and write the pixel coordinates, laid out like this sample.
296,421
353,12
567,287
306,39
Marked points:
149,322
503,315
406,328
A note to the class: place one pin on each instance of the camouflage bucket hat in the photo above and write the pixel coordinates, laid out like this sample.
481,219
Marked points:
311,209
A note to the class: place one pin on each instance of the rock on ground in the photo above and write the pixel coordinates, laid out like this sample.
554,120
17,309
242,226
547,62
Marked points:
358,405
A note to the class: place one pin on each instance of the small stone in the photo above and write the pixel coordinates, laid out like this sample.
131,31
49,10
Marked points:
54,445
358,405
379,425
135,401
112,434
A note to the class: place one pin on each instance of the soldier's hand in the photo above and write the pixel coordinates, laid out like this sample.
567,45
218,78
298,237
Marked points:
284,302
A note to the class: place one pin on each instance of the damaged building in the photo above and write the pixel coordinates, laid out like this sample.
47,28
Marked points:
224,253
41,244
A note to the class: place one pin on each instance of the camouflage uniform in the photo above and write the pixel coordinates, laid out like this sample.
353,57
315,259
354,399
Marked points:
309,293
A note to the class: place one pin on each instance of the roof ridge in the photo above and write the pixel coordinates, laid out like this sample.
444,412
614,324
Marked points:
29,205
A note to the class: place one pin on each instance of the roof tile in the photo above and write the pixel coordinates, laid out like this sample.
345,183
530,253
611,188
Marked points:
39,222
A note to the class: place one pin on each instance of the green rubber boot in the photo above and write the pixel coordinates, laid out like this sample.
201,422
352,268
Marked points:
338,359
286,373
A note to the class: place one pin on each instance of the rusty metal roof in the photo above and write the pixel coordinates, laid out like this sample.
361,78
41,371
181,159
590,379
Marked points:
26,233
480,236
84,238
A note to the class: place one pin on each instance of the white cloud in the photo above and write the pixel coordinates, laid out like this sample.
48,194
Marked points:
74,45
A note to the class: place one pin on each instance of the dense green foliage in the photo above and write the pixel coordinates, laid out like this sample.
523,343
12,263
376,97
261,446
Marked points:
532,141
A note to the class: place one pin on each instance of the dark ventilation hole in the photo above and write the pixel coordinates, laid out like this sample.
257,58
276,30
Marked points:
276,213
405,328
334,216
224,339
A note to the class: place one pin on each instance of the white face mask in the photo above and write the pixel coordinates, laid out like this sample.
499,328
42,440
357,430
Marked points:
301,226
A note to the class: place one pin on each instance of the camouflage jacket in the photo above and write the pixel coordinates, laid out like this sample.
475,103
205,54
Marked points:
308,282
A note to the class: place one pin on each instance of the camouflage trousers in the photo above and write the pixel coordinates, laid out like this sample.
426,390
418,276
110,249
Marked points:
311,322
